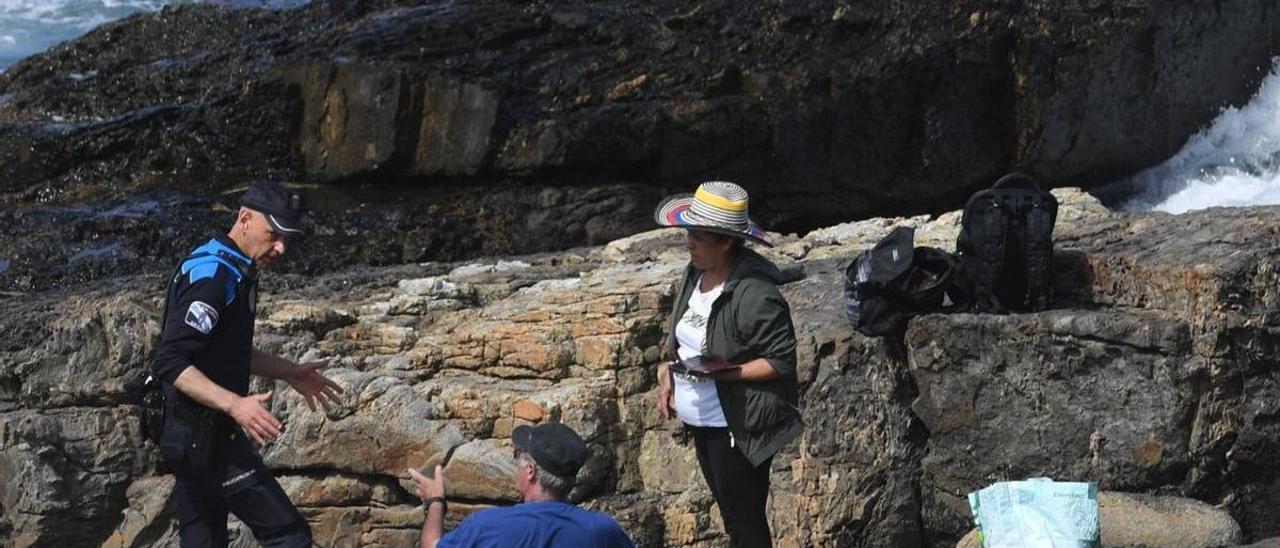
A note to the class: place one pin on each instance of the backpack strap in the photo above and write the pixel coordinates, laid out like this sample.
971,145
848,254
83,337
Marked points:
991,248
1040,217
1017,179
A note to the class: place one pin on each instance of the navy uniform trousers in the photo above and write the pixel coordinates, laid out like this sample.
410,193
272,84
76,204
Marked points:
236,481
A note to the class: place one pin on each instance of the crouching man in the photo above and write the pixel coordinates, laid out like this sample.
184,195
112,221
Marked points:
548,457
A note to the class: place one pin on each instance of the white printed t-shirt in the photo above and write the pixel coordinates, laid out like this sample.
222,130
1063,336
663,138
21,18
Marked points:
696,401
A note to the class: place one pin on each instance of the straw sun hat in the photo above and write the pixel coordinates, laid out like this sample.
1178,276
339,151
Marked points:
717,206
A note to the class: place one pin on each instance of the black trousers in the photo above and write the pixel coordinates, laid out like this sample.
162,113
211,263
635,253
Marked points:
741,490
236,482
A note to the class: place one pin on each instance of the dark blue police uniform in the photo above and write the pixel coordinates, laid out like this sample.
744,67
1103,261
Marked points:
209,315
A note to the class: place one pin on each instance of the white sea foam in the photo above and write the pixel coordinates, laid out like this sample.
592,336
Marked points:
31,26
1233,162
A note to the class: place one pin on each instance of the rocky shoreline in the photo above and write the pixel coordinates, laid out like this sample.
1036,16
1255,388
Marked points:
483,128
483,175
1153,376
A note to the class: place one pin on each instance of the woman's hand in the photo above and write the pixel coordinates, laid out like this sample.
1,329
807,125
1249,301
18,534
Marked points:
665,391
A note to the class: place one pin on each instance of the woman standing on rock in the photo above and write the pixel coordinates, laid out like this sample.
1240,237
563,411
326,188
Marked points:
733,378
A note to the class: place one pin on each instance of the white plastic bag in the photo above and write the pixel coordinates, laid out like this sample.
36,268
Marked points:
1038,512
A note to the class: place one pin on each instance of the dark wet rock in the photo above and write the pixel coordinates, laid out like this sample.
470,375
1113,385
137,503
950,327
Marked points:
826,112
83,245
1272,542
1102,396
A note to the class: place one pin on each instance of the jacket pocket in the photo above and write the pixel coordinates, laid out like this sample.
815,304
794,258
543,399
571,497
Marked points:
765,408
186,445
174,439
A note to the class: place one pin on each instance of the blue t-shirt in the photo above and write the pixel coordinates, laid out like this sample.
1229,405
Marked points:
543,524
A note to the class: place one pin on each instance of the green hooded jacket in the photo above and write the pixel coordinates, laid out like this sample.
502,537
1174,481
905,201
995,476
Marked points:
750,319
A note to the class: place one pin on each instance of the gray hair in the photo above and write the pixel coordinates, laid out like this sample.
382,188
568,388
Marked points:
554,485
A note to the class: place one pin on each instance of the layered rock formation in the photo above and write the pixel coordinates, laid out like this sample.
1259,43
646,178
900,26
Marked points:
442,131
496,117
1153,375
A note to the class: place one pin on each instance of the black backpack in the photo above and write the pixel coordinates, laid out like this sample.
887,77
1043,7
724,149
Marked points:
889,284
1005,247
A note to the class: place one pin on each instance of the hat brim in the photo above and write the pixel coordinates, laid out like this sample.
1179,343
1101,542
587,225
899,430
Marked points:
289,225
522,437
289,228
674,213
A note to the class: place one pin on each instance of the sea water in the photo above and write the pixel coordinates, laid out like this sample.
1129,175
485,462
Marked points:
28,27
31,26
1235,161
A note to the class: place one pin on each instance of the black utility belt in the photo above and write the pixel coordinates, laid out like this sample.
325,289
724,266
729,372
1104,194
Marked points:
191,432
184,409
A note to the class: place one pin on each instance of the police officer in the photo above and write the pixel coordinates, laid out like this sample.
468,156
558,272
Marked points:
205,357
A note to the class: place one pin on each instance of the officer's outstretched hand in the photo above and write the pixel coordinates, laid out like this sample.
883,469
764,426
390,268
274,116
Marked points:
431,487
250,412
307,380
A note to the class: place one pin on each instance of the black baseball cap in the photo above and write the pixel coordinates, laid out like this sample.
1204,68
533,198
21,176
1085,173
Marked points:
282,206
555,447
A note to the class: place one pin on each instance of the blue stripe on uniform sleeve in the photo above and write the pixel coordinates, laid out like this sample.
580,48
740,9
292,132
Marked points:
207,267
202,270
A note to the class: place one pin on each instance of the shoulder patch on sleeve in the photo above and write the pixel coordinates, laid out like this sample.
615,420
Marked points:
201,317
